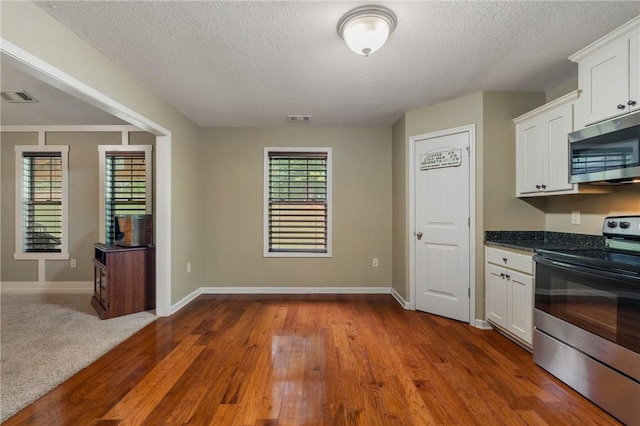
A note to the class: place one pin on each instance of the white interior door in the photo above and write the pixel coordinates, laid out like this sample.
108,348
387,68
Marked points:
442,224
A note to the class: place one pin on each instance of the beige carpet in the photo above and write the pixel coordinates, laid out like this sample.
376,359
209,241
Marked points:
45,339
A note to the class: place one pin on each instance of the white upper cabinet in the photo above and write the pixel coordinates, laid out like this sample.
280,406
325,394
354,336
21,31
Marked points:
542,149
609,76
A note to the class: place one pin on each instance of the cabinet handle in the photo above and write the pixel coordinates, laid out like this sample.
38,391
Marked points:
631,102
621,106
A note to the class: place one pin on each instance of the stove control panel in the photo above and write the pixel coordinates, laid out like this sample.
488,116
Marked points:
622,226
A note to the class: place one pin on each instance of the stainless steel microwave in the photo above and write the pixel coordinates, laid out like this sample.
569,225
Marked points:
606,153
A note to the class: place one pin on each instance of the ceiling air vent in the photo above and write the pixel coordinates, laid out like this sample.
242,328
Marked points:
299,117
17,96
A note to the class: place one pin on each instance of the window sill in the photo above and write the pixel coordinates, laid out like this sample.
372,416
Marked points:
41,256
296,255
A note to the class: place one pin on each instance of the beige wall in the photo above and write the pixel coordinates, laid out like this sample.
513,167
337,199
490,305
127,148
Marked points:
454,113
83,202
26,270
28,27
562,89
501,209
400,281
593,208
231,166
496,204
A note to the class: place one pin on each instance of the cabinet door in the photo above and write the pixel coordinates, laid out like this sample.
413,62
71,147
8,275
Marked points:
604,80
530,152
496,294
520,305
103,285
557,124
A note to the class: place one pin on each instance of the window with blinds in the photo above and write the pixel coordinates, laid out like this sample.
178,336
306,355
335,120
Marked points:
42,196
126,186
298,202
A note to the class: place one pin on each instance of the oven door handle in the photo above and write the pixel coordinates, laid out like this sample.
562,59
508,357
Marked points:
588,270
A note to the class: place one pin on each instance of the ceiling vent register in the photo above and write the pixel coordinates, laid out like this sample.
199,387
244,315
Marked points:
299,117
17,96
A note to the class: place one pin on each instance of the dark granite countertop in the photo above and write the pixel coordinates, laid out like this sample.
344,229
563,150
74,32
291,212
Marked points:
531,240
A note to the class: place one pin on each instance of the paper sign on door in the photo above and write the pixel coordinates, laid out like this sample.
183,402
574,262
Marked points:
438,160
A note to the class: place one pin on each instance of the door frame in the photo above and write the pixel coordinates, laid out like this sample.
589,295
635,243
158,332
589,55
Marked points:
411,141
49,74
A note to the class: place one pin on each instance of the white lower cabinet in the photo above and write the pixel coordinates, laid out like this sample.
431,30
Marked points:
509,293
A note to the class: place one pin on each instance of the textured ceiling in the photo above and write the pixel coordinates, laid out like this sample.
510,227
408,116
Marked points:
54,107
236,63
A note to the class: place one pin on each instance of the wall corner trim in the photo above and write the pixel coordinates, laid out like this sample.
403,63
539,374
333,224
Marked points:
482,325
400,300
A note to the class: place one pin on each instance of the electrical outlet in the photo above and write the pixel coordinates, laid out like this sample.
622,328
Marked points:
375,262
188,267
575,217
72,263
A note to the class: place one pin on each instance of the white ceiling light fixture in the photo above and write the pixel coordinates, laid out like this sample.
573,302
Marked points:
365,29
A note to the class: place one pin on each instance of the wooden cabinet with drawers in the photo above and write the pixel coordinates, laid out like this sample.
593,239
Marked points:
124,280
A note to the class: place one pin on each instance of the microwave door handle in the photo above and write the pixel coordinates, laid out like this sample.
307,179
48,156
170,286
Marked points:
586,270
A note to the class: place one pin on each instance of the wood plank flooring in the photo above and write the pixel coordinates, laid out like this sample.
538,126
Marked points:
311,360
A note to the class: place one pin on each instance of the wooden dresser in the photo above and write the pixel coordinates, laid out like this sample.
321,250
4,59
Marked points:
124,280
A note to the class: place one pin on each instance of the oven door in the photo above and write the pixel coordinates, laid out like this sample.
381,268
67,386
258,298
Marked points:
598,311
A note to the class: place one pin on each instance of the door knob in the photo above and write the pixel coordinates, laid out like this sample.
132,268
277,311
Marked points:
418,234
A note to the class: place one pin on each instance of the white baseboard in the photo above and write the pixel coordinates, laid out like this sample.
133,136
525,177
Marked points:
185,300
277,290
400,299
46,287
294,290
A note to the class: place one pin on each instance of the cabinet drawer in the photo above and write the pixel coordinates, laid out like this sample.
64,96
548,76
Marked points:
509,259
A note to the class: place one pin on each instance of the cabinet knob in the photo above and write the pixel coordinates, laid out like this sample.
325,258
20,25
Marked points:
631,102
502,274
504,259
508,276
621,106
544,186
537,186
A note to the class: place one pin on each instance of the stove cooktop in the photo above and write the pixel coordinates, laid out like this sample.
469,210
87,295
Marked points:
602,258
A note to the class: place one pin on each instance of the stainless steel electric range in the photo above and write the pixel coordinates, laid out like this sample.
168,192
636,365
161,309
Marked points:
587,318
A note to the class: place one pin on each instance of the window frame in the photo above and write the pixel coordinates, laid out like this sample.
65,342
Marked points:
19,251
102,161
266,175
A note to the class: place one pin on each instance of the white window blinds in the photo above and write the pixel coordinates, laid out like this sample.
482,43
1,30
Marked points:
298,213
126,186
42,195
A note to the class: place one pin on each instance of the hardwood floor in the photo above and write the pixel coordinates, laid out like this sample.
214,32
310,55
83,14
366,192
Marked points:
311,360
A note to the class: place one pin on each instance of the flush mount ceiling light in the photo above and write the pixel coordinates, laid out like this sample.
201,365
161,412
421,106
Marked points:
365,29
